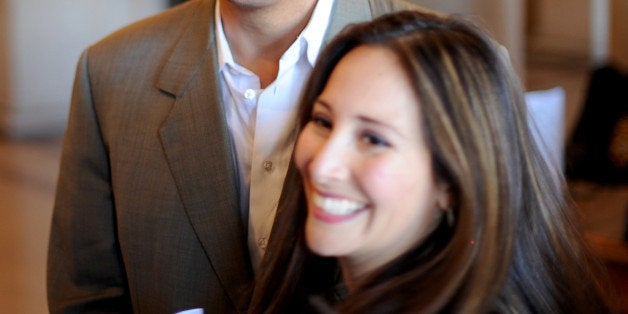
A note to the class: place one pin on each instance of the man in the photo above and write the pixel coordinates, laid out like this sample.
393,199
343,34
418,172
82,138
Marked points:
178,141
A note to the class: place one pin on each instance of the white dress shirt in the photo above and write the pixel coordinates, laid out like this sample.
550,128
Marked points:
261,122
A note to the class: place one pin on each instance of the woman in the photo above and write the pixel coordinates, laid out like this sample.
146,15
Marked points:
419,187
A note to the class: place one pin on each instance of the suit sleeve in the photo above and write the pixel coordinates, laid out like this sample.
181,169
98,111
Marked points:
85,272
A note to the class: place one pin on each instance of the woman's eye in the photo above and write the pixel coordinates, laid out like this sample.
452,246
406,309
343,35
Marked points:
320,121
374,140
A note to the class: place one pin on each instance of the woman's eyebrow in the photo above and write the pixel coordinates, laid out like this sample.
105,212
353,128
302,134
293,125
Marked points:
323,103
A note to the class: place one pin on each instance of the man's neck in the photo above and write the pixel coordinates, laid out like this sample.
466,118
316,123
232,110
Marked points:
259,35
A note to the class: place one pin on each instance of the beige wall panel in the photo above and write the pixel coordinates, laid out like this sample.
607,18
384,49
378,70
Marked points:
560,27
619,34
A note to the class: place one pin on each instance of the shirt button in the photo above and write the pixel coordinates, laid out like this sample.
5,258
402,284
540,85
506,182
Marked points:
268,165
262,243
249,94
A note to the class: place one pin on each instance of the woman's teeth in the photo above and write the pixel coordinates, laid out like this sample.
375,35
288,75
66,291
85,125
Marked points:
336,206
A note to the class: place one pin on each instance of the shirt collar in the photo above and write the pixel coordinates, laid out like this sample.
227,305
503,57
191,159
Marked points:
314,31
312,34
224,52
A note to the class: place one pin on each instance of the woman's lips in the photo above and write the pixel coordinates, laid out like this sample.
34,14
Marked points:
334,209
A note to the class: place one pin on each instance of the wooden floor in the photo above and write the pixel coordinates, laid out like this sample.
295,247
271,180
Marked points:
28,171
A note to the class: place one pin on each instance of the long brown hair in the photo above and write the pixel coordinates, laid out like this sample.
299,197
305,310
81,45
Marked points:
514,245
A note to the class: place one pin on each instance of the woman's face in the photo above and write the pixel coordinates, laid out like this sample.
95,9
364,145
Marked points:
370,187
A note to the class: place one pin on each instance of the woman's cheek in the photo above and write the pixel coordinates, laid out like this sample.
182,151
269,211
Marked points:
384,175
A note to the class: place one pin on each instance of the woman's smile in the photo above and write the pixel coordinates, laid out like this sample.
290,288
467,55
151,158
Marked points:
334,209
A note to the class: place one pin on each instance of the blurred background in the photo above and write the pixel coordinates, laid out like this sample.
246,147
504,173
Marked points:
569,54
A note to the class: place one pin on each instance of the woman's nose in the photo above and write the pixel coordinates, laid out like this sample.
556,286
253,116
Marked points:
331,161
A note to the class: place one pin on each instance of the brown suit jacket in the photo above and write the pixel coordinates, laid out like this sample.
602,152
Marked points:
146,217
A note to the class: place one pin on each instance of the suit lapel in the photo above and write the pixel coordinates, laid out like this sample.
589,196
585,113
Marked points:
346,12
198,149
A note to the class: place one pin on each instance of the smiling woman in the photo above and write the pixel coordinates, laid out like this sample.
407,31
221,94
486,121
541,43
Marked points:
356,156
418,187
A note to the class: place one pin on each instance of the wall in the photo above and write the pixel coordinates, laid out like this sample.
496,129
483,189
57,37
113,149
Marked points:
4,63
619,34
560,28
40,43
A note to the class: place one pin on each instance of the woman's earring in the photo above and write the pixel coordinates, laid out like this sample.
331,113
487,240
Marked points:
449,215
